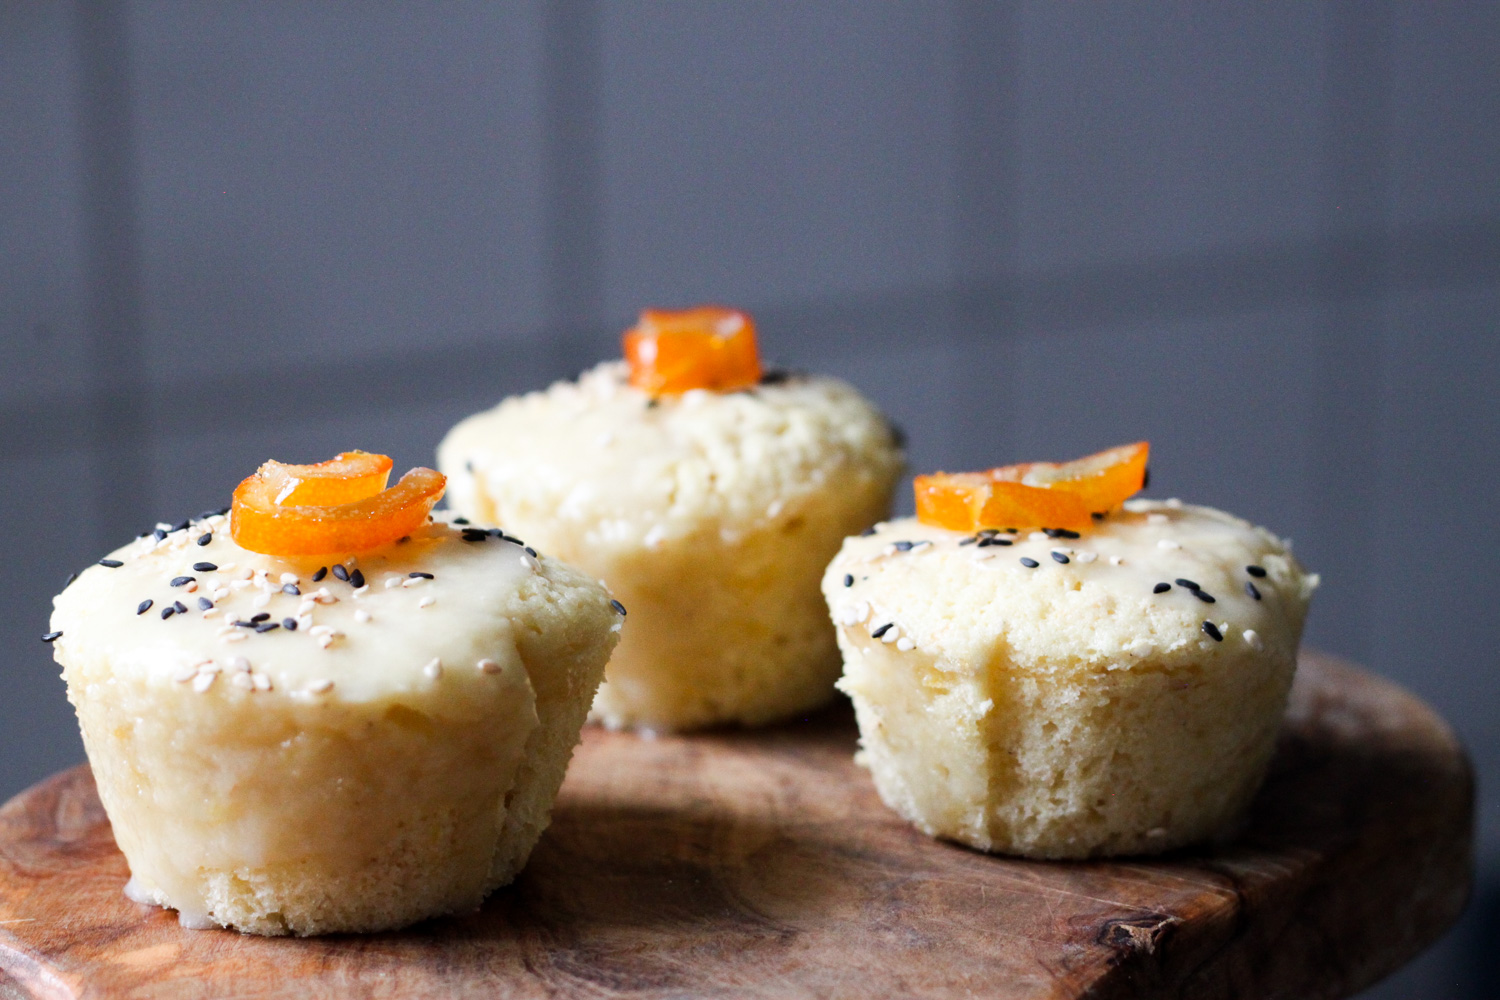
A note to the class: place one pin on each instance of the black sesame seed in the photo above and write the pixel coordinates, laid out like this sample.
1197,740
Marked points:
204,604
651,404
619,608
1161,588
182,581
1255,570
1204,596
51,636
403,539
469,466
357,579
475,536
848,579
1189,584
291,588
179,607
267,626
69,582
1252,590
1060,557
1212,631
158,534
987,542
340,573
882,630
968,541
168,612
1011,531
775,376
1146,478
531,552
111,563
903,546
259,618
237,623
290,624
989,531
1029,563
318,576
418,574
205,567
460,520
867,532
1060,533
205,538
182,525
1097,515
144,606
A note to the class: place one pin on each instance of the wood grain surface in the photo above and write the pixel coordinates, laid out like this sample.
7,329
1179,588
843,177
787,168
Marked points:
763,864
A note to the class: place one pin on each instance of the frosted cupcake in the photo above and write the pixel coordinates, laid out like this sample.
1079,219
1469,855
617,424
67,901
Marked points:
707,494
1111,683
362,730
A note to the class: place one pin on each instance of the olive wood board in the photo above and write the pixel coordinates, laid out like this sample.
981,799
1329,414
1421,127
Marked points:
763,864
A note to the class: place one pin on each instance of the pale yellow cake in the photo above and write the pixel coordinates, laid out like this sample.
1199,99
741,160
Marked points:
710,515
295,746
1057,697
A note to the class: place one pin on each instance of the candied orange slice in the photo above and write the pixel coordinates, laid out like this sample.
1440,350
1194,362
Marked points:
358,513
353,475
1033,494
708,347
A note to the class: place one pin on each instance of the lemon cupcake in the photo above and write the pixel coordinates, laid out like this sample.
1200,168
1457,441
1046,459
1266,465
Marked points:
363,729
708,495
1112,687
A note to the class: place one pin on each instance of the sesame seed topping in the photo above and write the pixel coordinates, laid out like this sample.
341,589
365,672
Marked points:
362,615
488,666
51,636
178,581
1029,563
318,576
1060,557
291,588
204,604
419,575
205,538
159,534
263,616
1253,639
69,581
867,532
987,542
320,686
111,563
167,612
903,546
1256,570
427,601
905,644
1203,596
1252,590
184,675
204,567
433,668
619,608
848,579
460,520
1189,584
475,535
1167,543
340,573
144,606
1212,631
882,630
243,680
1161,588
356,579
267,626
1059,533
202,682
290,624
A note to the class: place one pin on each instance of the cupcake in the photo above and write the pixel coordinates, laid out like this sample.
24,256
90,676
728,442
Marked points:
708,494
1042,671
326,711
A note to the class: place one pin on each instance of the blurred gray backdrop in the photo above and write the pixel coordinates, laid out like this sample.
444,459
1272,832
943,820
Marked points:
1266,237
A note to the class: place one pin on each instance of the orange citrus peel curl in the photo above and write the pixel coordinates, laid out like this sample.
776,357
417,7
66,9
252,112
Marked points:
707,347
332,507
1033,494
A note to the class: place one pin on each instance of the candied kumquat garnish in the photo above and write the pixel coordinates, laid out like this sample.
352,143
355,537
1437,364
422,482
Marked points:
1033,494
353,475
349,510
708,347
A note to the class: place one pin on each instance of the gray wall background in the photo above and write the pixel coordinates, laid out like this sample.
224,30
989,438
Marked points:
1266,237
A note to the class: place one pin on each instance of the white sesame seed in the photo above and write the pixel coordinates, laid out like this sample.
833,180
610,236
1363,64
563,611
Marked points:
655,536
191,586
1116,561
1167,543
362,591
238,663
891,635
325,598
260,601
219,593
305,622
227,567
414,581
211,613
306,605
1174,503
163,526
1156,519
1142,648
392,581
434,668
905,644
287,578
262,682
321,630
530,563
1037,536
325,641
202,682
238,584
1254,640
427,601
185,674
1086,556
320,686
488,666
775,507
362,615
243,680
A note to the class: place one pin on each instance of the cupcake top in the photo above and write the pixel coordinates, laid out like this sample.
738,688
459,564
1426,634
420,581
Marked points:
628,467
1153,579
188,606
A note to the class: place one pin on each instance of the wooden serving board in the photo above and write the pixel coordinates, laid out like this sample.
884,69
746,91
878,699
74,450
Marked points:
763,864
